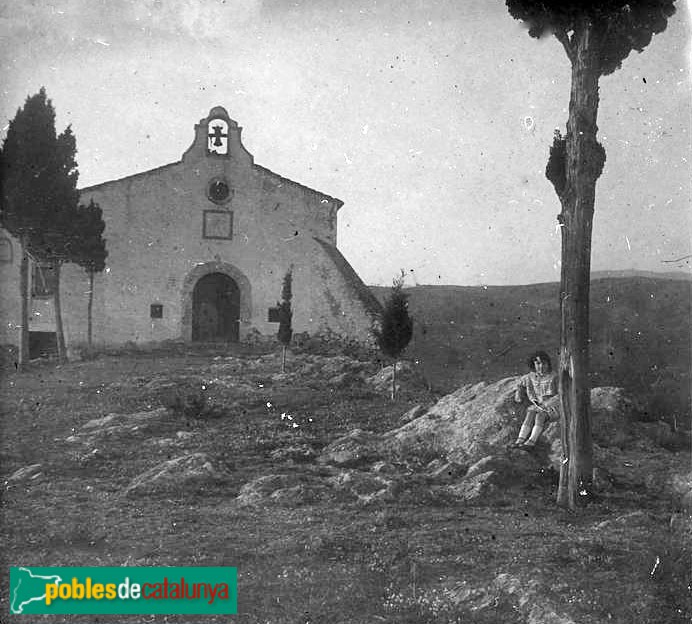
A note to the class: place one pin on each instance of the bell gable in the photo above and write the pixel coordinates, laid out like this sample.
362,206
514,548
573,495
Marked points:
217,136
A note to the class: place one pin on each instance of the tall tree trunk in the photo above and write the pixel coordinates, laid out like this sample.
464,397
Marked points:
23,352
59,331
90,308
283,359
585,158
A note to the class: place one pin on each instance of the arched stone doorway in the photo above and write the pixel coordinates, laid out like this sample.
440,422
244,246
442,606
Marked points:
216,303
215,309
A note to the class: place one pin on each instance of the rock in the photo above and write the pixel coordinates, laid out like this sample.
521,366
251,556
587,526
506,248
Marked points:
301,488
300,494
481,420
331,367
161,384
529,600
681,526
281,377
507,470
162,442
449,471
635,519
407,376
28,473
356,448
178,474
542,614
290,488
412,414
680,485
526,594
465,426
342,379
113,425
364,486
296,453
478,487
383,467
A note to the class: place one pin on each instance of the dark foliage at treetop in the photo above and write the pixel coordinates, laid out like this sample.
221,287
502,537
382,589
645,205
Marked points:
39,179
623,26
88,248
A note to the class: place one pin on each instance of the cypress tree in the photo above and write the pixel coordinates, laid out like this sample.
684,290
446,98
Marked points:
396,326
89,250
285,332
39,199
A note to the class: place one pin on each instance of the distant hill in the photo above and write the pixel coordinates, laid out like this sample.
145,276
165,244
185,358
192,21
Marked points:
640,331
673,275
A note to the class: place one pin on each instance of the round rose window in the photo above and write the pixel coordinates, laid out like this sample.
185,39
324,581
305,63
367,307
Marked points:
219,191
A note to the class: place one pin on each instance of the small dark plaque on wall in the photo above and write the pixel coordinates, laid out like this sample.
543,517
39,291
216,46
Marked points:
273,315
156,310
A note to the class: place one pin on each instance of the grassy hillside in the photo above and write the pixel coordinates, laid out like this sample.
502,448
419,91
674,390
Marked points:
313,541
640,329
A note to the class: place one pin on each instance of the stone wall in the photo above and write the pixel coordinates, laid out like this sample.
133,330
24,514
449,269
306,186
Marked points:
10,302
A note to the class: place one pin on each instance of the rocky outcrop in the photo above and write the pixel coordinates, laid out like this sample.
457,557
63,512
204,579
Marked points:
465,426
177,475
408,378
353,449
116,426
481,420
463,443
23,475
680,486
294,488
291,488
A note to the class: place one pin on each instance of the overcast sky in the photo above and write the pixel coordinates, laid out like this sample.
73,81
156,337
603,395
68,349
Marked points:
431,120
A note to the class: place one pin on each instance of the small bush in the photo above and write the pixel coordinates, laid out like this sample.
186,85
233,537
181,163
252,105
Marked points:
190,403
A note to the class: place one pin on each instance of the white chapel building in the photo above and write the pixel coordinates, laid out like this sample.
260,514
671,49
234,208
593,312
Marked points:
197,251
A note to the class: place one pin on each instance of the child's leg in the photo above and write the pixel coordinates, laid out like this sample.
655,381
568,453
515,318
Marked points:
538,426
527,424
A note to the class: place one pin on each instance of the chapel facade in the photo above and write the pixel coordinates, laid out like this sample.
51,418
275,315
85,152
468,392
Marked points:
197,251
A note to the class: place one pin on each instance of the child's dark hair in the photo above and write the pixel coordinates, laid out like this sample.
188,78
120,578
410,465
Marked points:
539,355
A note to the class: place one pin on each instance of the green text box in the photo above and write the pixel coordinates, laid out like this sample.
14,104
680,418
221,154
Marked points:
127,590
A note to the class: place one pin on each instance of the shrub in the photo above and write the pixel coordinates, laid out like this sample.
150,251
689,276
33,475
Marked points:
190,403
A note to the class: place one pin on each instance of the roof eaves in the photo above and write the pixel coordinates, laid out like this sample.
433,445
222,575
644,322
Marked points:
337,201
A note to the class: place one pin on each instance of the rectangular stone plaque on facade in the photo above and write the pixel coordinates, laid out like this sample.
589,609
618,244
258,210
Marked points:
217,224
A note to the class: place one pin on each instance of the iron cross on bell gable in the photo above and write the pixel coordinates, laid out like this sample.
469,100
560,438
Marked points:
217,135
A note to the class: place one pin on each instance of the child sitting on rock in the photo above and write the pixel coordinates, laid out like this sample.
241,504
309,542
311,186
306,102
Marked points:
540,388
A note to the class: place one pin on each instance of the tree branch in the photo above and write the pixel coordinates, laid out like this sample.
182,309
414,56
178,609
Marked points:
564,39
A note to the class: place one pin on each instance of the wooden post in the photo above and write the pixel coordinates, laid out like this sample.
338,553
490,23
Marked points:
59,330
23,351
90,308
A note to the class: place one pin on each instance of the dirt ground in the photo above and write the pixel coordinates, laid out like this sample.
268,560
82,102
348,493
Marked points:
420,557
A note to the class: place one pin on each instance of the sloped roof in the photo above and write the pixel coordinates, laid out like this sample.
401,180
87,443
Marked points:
256,167
355,284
